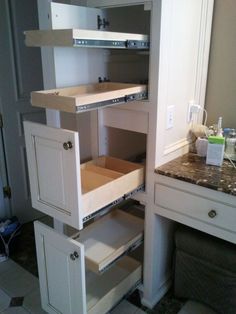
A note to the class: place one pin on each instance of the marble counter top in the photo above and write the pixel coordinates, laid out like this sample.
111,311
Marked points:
193,169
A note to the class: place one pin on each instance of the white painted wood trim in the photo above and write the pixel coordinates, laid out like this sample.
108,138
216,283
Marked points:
135,121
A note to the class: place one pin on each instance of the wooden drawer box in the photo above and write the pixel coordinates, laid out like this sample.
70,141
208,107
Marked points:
85,38
108,238
88,97
203,212
66,287
66,190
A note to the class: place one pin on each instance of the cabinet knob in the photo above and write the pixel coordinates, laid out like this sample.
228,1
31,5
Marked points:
212,213
74,255
67,145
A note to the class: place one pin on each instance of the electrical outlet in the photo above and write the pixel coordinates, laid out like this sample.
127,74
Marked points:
170,117
193,108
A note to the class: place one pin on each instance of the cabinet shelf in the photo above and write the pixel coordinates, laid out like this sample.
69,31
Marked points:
88,97
85,38
109,238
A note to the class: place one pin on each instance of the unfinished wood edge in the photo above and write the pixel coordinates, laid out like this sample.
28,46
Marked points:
56,37
103,171
54,102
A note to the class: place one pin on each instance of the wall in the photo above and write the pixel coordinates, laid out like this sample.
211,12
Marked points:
221,90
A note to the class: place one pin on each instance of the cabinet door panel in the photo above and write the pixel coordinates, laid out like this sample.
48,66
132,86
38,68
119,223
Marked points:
62,277
54,172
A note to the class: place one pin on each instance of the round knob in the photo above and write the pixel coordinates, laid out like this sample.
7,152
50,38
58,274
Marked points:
67,145
212,213
74,255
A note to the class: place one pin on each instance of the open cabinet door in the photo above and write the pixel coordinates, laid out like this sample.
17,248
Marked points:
61,272
54,172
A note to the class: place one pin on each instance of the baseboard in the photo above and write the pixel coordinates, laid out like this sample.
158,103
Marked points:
161,292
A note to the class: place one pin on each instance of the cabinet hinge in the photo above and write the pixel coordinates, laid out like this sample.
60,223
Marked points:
7,191
103,80
1,121
102,22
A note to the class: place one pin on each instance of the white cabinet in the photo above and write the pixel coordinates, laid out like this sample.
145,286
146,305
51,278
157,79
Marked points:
173,72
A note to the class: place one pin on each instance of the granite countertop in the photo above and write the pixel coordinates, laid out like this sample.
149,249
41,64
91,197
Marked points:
193,169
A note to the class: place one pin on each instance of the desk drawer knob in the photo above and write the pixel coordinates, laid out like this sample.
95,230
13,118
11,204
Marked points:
212,213
67,145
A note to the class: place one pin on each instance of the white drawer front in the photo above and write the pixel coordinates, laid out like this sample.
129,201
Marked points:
195,206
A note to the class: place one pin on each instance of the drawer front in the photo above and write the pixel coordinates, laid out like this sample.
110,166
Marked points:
195,206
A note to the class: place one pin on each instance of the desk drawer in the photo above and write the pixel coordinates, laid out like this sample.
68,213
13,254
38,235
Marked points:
197,207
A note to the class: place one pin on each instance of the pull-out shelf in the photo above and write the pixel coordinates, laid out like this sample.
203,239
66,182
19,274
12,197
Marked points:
63,188
67,288
88,97
110,237
85,38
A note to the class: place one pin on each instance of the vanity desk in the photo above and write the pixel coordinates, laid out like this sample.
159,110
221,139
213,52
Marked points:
198,195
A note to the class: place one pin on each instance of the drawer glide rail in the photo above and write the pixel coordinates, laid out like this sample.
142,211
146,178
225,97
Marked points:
115,44
112,102
110,206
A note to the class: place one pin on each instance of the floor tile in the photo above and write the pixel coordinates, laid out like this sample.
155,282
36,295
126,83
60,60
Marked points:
16,301
4,300
192,307
7,266
15,310
32,302
17,282
139,311
125,308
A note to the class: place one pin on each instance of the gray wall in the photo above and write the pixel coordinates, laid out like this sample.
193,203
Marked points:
221,87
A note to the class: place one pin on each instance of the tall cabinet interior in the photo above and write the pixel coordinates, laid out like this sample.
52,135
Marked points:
111,71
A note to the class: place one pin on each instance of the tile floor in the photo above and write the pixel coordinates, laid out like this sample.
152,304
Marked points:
19,290
19,293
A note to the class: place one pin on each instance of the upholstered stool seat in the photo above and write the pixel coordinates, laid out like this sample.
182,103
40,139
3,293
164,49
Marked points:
205,270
